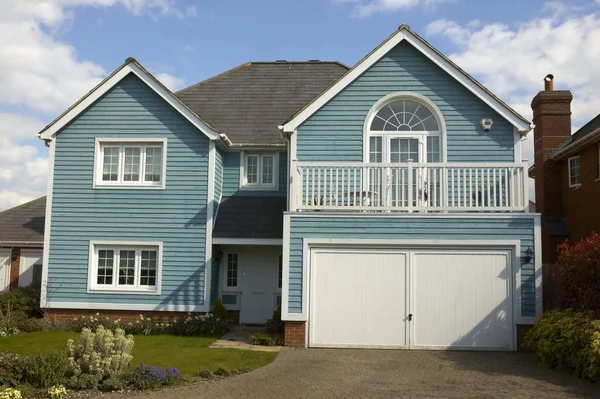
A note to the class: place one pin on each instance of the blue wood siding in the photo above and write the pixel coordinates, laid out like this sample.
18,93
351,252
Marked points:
218,180
231,177
175,216
410,228
335,132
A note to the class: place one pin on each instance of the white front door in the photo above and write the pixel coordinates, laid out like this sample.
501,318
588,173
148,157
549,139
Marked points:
4,270
259,280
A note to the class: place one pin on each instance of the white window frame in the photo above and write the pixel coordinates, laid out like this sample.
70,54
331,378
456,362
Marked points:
387,136
571,184
225,261
244,185
122,143
115,288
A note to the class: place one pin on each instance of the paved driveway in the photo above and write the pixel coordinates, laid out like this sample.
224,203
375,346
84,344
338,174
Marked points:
316,373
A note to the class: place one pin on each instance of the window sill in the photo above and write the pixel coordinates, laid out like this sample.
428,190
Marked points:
98,290
259,188
127,187
573,188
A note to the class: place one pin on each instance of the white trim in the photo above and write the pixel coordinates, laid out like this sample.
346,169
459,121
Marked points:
458,215
210,198
259,186
404,95
46,255
50,131
537,253
405,34
292,159
518,152
247,241
127,306
574,185
285,286
97,182
93,288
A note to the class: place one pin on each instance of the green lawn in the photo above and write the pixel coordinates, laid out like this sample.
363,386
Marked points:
188,354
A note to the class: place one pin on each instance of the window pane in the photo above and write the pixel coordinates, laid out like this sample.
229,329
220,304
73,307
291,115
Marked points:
232,270
153,164
433,149
252,169
404,116
127,268
110,165
267,169
132,164
148,268
105,267
403,150
375,150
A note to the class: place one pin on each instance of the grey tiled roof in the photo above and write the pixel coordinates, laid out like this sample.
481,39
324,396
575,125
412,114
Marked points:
250,217
249,102
588,128
24,223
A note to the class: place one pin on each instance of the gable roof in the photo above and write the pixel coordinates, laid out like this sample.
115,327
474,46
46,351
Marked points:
405,33
23,224
586,135
130,66
249,102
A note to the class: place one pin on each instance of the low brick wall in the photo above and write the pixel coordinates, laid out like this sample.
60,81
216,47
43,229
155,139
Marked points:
124,315
295,334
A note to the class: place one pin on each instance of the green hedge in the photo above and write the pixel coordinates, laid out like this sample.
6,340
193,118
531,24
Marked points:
568,341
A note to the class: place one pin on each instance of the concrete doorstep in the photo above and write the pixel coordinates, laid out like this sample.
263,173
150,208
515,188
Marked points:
239,338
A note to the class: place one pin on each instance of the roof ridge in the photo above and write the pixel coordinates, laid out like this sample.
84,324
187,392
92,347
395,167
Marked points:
21,205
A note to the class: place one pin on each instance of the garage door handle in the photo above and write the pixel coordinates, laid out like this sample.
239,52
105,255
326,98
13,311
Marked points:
410,317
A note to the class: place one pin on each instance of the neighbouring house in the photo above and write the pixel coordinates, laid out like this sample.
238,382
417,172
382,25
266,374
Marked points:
382,206
21,243
566,171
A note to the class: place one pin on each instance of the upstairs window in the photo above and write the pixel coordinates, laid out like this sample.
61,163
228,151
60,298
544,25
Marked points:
130,164
259,171
125,267
575,172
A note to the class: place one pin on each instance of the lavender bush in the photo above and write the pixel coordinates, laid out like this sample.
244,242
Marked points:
148,377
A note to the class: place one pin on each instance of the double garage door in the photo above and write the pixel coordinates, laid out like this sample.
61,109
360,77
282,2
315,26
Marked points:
447,298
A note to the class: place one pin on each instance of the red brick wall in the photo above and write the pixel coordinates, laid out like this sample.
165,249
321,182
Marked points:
295,334
15,268
582,205
125,315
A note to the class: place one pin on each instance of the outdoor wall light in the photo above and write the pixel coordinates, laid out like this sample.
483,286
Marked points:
527,255
486,124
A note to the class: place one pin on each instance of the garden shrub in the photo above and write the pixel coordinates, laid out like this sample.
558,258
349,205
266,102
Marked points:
46,370
11,369
9,393
222,372
204,373
101,353
149,377
568,341
266,339
112,384
219,310
84,381
580,274
34,324
57,392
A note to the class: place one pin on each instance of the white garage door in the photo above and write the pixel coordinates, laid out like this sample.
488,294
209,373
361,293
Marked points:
425,299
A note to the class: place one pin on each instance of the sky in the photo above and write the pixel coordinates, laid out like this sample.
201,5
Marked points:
53,51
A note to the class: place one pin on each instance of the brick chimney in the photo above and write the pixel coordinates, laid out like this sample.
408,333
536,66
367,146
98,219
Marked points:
552,120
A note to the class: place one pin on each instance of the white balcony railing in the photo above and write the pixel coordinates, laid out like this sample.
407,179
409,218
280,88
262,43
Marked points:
410,187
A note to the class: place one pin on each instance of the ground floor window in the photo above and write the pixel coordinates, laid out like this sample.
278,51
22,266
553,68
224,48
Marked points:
125,267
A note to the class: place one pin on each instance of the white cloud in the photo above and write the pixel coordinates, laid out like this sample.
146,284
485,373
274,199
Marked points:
173,83
365,8
42,76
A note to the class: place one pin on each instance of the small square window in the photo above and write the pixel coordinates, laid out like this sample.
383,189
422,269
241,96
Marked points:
260,172
575,171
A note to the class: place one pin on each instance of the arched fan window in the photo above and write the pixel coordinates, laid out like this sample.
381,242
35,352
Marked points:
404,116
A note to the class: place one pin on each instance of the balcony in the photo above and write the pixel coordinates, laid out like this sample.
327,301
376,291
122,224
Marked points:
410,187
